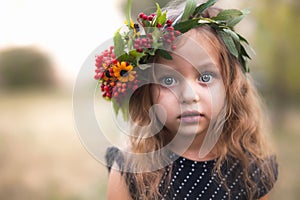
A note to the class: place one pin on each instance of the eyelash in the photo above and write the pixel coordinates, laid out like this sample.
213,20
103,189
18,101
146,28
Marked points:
211,74
165,78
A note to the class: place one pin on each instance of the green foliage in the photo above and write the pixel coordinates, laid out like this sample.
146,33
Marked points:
223,23
189,9
25,67
204,6
119,44
138,6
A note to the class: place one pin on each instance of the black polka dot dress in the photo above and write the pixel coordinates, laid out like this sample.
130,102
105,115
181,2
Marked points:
193,180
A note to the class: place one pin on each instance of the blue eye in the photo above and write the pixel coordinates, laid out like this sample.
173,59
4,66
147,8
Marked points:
206,77
168,81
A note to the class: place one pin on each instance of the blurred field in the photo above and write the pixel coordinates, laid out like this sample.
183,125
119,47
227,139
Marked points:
41,156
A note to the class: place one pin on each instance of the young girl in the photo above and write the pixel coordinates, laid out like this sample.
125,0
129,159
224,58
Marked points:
197,129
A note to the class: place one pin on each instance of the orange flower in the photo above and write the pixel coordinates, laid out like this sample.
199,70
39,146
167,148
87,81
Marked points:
123,72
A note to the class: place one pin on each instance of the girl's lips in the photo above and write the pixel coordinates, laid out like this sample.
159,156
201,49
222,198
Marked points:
190,117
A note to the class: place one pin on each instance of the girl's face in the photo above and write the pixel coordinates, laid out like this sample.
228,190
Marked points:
189,87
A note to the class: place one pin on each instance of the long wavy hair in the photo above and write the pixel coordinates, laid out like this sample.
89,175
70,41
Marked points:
243,136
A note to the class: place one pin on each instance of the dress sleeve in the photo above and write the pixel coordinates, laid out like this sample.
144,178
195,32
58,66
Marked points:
114,156
265,182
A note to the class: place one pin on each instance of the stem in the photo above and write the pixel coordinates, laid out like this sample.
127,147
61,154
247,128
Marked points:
128,12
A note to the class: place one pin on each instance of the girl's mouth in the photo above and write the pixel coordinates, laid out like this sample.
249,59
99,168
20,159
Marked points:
190,117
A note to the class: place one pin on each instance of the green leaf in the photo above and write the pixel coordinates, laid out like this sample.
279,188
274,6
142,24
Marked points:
162,18
244,52
186,25
233,34
234,21
158,10
163,53
156,34
127,57
144,66
129,44
118,44
116,106
204,6
242,39
229,14
128,12
136,55
229,42
125,113
189,9
158,14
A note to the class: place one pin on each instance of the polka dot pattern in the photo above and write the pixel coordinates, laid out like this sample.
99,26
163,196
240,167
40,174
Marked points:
192,180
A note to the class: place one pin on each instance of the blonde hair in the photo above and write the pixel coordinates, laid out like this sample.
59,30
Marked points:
242,138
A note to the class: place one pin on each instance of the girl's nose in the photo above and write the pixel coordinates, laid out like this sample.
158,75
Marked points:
189,93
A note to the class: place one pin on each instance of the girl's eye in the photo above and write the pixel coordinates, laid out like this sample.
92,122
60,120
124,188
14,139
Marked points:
206,77
168,81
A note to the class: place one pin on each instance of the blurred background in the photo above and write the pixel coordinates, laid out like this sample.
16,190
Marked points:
42,47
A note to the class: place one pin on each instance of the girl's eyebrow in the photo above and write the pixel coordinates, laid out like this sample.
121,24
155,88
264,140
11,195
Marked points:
207,66
163,69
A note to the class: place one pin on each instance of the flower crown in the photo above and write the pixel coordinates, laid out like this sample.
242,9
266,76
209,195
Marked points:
117,68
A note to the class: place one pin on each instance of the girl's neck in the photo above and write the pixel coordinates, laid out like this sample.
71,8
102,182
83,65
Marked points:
193,150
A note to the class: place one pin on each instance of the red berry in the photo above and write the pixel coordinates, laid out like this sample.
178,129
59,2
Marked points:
101,75
145,17
166,37
150,18
177,33
159,26
140,50
115,61
106,88
138,41
116,94
112,84
141,15
169,22
98,64
174,47
170,28
97,76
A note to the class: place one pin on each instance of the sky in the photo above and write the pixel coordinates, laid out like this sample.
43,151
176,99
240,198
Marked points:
67,30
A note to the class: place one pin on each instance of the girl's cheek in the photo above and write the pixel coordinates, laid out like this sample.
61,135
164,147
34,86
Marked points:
217,99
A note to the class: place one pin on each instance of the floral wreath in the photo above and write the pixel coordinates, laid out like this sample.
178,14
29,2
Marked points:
117,68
